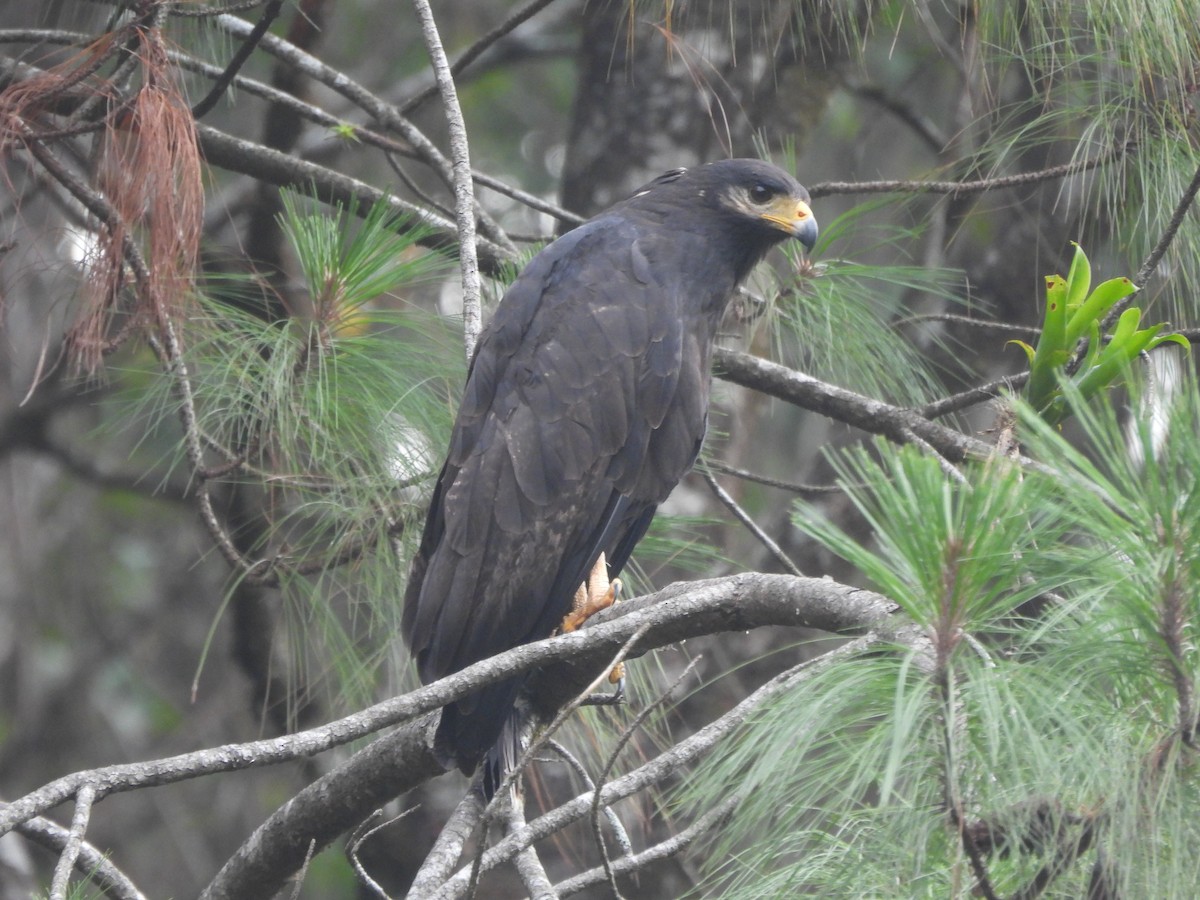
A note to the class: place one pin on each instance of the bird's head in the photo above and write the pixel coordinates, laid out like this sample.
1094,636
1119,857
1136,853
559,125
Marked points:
742,207
755,201
766,196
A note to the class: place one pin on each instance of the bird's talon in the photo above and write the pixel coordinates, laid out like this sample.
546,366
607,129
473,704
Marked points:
593,595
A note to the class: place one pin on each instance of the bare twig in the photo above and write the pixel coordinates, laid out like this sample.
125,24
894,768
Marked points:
1160,248
464,189
308,855
973,396
948,468
529,866
956,188
244,50
614,821
712,819
369,102
190,11
472,53
90,861
373,823
626,735
742,516
530,200
794,487
924,127
970,322
84,798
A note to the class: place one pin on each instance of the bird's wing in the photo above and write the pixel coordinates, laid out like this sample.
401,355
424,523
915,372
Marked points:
584,406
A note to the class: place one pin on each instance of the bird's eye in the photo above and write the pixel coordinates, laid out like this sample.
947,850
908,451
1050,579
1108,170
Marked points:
760,193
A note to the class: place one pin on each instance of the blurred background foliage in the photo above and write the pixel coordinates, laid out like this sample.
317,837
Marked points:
324,348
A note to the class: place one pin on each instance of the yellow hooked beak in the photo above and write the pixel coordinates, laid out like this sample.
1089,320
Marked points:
794,216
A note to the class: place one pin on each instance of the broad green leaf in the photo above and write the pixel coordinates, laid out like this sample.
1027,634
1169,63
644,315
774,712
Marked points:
1095,307
1079,279
1052,350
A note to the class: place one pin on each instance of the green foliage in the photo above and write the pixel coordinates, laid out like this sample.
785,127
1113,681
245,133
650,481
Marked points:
1073,313
339,416
836,319
1053,707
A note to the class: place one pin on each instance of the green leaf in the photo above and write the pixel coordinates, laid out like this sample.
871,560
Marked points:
1094,308
1024,346
1052,350
1173,338
1079,278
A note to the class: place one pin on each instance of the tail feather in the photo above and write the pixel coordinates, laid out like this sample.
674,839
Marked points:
503,755
484,727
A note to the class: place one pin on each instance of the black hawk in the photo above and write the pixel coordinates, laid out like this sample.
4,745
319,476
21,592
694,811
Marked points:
585,404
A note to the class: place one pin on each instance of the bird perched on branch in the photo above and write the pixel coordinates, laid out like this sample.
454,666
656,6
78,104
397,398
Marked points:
585,404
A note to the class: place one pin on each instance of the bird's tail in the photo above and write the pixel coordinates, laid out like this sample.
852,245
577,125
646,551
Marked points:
485,727
504,755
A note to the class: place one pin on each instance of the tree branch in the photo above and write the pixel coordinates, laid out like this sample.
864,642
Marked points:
865,413
714,818
357,94
659,768
248,158
89,861
69,857
1164,241
447,849
338,801
464,190
472,53
746,475
744,517
956,188
528,864
244,50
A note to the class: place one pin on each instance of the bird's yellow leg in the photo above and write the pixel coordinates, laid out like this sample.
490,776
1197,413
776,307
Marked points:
595,594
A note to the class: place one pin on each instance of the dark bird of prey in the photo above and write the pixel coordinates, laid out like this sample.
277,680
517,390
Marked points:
585,404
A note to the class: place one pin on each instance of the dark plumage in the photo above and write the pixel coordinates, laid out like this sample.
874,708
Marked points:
585,404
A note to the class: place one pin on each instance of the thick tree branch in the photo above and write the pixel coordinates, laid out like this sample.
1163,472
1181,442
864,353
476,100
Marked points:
337,802
664,765
681,611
